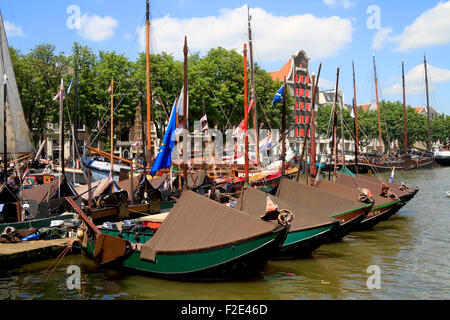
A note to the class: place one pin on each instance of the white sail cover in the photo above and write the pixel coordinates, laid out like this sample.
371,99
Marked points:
18,124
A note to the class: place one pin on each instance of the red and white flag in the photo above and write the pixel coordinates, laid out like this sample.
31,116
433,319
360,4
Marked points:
110,88
204,118
205,127
58,95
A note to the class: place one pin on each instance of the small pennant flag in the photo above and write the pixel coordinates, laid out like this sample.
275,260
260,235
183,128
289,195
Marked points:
205,127
204,118
110,88
25,174
279,95
70,86
391,178
58,95
352,114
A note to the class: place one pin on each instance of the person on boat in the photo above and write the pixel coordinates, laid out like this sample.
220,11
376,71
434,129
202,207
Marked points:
47,169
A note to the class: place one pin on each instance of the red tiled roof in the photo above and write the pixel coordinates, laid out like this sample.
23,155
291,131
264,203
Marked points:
283,72
365,107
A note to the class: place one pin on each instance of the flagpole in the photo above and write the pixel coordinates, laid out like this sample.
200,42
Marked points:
112,128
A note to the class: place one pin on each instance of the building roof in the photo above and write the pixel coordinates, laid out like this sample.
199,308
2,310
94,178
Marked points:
424,110
283,72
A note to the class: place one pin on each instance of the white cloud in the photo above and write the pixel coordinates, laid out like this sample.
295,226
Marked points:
415,79
347,4
96,28
325,84
431,28
275,38
380,38
13,31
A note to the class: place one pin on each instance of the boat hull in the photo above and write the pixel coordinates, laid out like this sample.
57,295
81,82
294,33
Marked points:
302,243
350,222
442,160
378,214
238,261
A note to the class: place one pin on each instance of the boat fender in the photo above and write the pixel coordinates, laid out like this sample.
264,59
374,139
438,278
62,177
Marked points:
365,195
285,217
403,187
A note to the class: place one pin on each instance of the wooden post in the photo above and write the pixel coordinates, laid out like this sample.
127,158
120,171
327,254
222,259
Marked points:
131,183
89,188
61,127
355,111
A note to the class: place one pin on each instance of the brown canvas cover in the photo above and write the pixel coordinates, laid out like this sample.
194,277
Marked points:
348,191
49,191
373,184
314,199
197,223
253,202
393,186
158,182
98,188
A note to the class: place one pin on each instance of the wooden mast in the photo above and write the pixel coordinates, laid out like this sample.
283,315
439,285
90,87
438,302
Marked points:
404,109
334,140
428,104
355,112
252,88
61,128
342,131
314,86
378,105
149,101
245,115
112,128
5,154
283,130
185,115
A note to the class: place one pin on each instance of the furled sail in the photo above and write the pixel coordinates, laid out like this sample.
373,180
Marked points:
18,124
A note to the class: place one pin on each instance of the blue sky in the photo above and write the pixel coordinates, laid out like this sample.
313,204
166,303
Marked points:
333,32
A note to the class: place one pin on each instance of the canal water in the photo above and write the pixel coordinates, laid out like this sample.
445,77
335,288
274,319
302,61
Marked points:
410,250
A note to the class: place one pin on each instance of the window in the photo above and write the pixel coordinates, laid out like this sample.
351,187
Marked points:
306,79
302,106
302,119
302,92
302,79
307,106
302,132
307,93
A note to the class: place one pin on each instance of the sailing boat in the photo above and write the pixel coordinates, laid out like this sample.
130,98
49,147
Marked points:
18,140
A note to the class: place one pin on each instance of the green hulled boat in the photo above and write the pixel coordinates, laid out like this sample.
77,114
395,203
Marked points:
199,240
326,204
307,232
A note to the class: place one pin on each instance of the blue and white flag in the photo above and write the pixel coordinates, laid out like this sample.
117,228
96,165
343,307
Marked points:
164,158
391,178
279,95
70,86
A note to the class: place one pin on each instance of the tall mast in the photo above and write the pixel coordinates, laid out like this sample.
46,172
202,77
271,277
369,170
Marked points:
76,105
252,83
355,107
61,128
334,151
283,130
428,104
147,60
245,114
112,128
404,108
5,154
342,131
185,115
378,105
